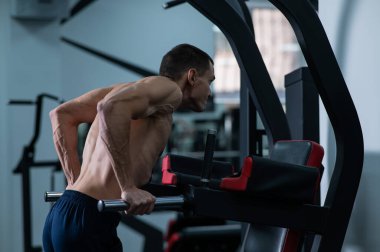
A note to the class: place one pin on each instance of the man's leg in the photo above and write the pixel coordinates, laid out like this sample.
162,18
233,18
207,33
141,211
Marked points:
78,226
46,236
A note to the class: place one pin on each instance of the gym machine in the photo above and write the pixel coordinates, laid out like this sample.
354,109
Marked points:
234,195
249,136
27,162
334,215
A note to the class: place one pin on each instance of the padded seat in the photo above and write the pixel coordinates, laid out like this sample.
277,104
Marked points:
291,174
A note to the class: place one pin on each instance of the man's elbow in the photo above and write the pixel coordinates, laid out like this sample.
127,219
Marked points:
56,113
61,115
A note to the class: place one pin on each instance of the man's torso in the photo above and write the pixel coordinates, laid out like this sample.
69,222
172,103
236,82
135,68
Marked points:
148,137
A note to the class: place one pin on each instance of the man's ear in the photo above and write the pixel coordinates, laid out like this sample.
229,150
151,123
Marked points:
192,76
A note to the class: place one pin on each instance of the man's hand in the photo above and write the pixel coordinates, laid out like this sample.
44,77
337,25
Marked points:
140,201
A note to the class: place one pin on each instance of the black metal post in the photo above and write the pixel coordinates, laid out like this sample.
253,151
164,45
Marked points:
208,155
302,105
25,173
314,3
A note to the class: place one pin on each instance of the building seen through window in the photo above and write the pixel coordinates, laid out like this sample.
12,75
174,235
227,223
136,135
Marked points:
277,44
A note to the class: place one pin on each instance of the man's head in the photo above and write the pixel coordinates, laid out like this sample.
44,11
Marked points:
192,67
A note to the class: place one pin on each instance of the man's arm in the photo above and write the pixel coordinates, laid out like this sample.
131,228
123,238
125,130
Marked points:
116,111
65,120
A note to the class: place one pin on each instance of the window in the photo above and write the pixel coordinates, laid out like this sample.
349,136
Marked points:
278,46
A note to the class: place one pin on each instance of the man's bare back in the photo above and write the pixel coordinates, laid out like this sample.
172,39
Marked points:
148,137
131,124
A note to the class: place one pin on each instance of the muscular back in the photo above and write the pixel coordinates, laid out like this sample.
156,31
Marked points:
148,135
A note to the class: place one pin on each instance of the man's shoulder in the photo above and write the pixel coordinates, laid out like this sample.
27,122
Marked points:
158,88
150,80
160,84
165,94
158,80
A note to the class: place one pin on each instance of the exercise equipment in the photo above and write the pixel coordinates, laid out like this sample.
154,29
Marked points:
27,162
290,162
288,177
292,175
329,221
175,203
165,203
259,180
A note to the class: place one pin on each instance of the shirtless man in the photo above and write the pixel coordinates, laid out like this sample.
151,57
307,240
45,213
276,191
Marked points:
131,123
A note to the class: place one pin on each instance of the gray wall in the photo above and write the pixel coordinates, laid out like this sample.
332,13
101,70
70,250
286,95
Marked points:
4,171
136,31
30,64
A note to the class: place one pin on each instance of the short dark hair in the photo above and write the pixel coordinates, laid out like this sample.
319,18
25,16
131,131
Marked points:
183,57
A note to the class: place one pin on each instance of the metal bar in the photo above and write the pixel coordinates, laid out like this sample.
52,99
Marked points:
156,189
174,3
26,208
315,5
208,155
45,163
52,196
38,114
302,105
217,154
163,203
174,203
77,8
124,64
21,102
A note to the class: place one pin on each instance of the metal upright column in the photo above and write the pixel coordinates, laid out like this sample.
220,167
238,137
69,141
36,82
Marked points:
302,105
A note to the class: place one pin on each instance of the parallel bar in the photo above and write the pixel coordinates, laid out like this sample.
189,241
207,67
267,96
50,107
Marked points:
52,196
174,203
157,190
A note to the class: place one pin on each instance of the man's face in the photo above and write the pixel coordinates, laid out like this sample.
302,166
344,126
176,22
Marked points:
201,89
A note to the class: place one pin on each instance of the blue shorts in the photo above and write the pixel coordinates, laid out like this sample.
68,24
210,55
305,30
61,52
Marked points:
74,224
